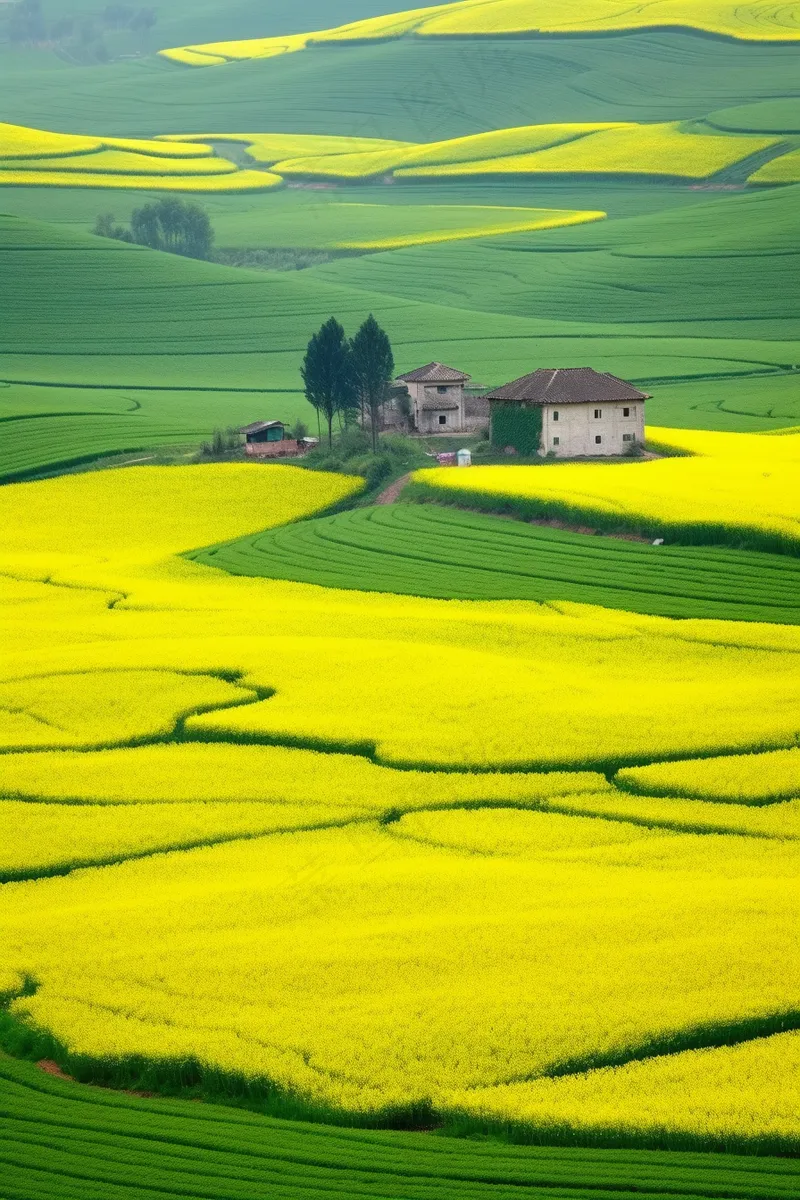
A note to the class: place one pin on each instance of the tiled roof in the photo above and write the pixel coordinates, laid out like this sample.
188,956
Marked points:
434,372
568,385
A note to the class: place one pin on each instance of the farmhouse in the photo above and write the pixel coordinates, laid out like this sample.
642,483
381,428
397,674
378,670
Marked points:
570,412
437,397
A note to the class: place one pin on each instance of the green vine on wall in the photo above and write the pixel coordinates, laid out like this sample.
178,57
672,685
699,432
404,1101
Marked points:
517,426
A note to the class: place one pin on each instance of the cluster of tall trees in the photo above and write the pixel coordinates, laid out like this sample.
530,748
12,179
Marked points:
349,377
171,224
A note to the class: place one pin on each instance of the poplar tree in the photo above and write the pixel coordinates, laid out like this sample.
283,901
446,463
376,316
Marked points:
373,370
327,373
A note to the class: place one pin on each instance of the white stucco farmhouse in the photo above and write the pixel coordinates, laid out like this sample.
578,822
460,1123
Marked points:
573,412
437,397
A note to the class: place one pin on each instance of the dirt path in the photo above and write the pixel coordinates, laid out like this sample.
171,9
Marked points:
393,491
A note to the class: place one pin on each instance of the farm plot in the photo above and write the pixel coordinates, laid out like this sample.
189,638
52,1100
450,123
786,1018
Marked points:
733,489
400,90
429,551
60,1135
354,226
180,735
36,158
490,18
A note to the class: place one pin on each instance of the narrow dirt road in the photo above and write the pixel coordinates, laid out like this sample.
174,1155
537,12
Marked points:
393,491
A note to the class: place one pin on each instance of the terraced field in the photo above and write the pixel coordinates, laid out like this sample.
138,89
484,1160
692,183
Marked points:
64,1140
492,18
428,551
725,489
189,765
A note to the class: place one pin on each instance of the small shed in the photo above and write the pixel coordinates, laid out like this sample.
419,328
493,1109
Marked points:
268,439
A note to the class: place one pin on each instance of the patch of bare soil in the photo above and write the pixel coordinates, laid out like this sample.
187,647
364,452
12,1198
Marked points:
52,1068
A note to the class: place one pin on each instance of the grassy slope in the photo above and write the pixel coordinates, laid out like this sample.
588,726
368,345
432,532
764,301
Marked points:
407,90
428,551
65,1140
639,295
629,294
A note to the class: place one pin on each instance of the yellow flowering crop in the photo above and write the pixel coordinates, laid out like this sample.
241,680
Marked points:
783,169
103,707
272,147
53,837
744,778
124,162
734,483
660,149
367,970
697,1092
149,512
498,221
18,141
691,816
513,831
753,21
756,21
223,773
369,934
236,181
33,157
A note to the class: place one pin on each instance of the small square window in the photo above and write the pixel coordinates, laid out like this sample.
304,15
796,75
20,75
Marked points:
598,412
442,419
626,412
598,440
627,437
555,415
441,390
556,441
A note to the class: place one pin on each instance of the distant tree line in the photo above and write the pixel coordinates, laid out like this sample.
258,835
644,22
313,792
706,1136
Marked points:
349,377
27,24
172,225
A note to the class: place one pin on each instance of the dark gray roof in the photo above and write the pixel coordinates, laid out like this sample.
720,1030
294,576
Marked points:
567,385
257,426
434,372
438,404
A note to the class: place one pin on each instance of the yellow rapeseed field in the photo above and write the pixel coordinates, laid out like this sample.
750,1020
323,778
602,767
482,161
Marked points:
783,169
659,149
753,21
741,482
36,158
668,1095
123,162
267,827
273,147
742,778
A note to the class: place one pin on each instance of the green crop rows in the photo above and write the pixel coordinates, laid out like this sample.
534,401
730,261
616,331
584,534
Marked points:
425,550
61,1139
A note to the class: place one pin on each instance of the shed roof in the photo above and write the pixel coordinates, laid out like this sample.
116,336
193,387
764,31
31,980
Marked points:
257,426
434,372
567,385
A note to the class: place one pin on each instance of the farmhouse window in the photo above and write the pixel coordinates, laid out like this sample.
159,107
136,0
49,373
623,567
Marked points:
556,441
626,412
627,437
598,439
598,412
555,415
442,391
443,419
